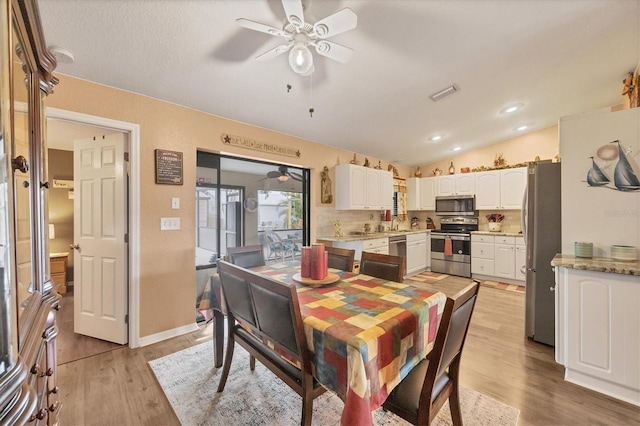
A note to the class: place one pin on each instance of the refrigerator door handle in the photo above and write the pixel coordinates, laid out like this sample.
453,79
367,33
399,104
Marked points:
524,213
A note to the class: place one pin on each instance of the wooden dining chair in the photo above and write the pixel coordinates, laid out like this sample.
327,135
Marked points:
246,256
383,266
421,394
339,258
261,310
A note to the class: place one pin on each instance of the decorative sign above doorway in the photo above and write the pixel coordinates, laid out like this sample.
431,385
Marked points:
255,145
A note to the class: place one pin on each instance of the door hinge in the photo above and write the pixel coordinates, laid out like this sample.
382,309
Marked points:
126,319
126,156
126,238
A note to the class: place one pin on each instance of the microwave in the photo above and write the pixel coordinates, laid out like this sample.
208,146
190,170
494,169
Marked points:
456,205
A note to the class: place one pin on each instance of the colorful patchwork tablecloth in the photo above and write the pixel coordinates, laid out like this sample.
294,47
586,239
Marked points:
366,334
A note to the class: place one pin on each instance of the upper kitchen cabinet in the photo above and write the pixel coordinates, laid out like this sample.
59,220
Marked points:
501,189
463,184
363,188
421,193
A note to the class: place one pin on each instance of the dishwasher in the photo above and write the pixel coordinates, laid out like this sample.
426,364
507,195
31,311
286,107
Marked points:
398,247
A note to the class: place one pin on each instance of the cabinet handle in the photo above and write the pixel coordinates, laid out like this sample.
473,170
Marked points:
552,289
35,369
20,163
44,185
53,407
40,415
49,372
54,390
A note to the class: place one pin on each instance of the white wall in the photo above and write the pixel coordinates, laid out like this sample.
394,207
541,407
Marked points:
602,215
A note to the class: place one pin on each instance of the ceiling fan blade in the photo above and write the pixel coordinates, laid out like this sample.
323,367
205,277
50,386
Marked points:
295,176
272,53
334,51
339,22
257,26
273,174
294,11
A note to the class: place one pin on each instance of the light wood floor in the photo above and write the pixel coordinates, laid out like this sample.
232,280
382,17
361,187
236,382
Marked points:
119,388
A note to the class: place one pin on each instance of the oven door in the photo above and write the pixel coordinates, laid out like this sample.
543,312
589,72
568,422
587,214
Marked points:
460,247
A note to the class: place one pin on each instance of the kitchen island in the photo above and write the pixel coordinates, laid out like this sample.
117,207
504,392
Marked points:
598,324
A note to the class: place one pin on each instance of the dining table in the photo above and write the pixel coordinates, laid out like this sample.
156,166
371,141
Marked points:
365,333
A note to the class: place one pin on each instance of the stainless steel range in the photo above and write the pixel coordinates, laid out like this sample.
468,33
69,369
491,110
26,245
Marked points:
451,246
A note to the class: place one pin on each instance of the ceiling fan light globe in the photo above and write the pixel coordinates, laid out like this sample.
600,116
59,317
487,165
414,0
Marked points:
301,59
283,178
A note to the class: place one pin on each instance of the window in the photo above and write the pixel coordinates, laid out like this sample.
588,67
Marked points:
279,210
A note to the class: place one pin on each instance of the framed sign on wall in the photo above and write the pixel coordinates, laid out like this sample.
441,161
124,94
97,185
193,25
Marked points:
168,167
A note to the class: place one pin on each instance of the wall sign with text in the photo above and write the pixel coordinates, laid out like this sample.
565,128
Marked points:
271,148
168,167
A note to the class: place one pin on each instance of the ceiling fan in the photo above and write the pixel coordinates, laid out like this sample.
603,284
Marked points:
299,34
283,174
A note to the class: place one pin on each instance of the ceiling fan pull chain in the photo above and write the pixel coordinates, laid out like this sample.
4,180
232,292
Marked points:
311,110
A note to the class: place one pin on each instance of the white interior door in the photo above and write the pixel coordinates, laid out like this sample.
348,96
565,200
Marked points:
100,225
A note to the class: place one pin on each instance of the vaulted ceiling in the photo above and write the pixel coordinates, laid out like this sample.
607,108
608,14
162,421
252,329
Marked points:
554,57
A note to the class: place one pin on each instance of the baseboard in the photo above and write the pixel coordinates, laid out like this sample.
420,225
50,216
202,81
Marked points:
168,334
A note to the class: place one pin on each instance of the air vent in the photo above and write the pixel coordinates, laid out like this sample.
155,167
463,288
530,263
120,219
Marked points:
440,94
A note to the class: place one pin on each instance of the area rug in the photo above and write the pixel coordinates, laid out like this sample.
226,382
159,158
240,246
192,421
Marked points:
190,381
428,277
503,286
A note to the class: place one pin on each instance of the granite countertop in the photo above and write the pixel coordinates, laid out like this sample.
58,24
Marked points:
597,264
500,234
373,235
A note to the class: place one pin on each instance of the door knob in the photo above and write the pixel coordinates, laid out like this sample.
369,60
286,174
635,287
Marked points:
74,246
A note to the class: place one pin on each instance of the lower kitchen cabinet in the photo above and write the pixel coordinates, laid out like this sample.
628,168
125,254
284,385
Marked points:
499,256
598,331
374,245
417,253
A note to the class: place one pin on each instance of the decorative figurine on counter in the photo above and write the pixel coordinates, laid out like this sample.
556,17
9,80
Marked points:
452,169
325,183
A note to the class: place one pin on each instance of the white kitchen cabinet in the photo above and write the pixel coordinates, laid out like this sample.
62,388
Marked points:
521,259
598,331
512,185
374,245
421,193
416,252
501,189
499,256
482,254
505,257
488,190
428,250
363,188
463,184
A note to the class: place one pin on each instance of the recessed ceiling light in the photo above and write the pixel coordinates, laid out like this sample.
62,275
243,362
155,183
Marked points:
436,137
457,148
521,128
511,108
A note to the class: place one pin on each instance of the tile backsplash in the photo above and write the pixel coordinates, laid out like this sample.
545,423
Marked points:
354,220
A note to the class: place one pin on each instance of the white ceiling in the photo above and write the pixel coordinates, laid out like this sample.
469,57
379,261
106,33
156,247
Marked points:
557,57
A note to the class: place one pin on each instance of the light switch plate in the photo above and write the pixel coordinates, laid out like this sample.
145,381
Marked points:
175,203
169,223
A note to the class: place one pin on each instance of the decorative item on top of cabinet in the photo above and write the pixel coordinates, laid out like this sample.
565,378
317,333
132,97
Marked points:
499,161
379,166
465,170
366,162
354,161
394,170
452,169
418,173
325,183
437,172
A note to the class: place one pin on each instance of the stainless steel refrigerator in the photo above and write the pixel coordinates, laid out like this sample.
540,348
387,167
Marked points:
541,217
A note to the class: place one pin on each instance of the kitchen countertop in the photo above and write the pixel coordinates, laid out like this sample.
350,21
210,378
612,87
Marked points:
501,234
373,235
597,264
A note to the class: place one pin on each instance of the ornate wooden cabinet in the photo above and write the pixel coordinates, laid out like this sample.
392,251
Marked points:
28,392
